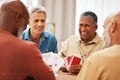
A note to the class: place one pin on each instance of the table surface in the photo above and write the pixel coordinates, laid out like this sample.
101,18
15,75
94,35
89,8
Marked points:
65,76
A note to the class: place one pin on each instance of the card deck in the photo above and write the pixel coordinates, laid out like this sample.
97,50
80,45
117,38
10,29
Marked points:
71,60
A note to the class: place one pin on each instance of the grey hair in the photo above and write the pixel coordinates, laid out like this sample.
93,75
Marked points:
90,14
39,8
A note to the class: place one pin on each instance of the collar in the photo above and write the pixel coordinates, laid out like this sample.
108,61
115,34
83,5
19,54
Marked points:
94,41
44,35
27,35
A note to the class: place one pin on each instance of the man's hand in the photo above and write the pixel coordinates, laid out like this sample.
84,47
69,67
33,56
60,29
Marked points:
75,69
64,69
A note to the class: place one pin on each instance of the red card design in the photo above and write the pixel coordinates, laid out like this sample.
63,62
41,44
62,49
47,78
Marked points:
68,59
75,61
72,60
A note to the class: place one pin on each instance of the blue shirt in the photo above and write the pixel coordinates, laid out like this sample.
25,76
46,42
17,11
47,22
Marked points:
47,41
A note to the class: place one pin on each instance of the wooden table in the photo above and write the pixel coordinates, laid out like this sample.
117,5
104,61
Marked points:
65,76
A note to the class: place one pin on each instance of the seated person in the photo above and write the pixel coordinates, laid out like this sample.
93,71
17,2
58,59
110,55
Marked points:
46,41
19,59
105,64
86,43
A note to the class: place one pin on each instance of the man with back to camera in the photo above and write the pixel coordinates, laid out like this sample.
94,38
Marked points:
105,64
19,60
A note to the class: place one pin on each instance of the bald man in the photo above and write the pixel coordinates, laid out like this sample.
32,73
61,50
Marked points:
19,60
105,64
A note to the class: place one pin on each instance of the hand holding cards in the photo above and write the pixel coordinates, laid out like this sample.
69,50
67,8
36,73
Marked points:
71,61
75,69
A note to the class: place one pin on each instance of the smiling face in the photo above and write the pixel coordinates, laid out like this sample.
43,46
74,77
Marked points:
87,28
37,22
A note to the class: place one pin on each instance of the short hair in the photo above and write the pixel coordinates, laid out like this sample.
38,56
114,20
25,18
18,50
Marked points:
15,6
90,14
39,8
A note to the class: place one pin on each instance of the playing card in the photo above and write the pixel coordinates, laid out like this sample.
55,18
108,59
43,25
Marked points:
67,61
71,60
54,60
48,58
57,63
74,61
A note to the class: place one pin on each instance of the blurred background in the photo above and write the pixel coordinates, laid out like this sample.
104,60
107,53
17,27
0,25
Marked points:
64,14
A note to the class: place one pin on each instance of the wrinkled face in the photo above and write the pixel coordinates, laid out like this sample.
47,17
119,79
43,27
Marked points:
106,34
87,28
37,22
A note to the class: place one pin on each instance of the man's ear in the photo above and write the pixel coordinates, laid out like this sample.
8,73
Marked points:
19,20
18,17
113,26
